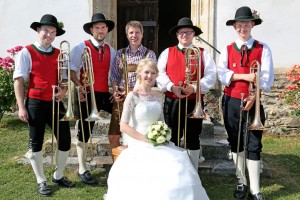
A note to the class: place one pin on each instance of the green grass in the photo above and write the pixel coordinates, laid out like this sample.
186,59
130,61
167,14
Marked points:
17,181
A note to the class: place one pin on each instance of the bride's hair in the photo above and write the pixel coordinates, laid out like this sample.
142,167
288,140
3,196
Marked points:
146,61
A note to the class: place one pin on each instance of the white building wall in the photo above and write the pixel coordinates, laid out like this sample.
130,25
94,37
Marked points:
280,27
17,16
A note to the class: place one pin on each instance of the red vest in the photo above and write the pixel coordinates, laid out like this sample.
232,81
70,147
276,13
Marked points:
237,87
43,73
100,68
175,69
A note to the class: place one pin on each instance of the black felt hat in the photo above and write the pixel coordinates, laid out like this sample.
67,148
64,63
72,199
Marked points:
244,14
185,23
49,20
98,17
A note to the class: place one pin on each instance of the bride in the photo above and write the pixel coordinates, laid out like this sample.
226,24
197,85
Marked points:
143,171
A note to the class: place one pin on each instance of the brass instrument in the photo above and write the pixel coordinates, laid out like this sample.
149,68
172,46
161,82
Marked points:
193,58
192,62
64,65
256,123
63,62
89,81
123,66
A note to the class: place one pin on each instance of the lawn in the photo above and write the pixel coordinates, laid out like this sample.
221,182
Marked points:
17,181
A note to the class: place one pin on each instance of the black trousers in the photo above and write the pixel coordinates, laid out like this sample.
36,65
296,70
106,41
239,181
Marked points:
102,102
40,113
231,114
194,126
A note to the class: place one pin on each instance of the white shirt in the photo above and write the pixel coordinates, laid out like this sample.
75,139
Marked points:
23,62
267,68
206,82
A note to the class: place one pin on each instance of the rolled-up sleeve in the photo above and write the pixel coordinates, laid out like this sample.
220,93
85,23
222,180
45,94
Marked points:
23,64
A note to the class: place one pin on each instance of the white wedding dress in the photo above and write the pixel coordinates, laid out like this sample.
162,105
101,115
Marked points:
145,172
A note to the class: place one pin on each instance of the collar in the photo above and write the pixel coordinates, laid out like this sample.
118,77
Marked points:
41,48
139,49
180,46
249,43
96,43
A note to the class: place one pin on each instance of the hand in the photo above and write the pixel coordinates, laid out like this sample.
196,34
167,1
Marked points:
23,115
60,94
250,77
249,102
82,93
177,91
188,90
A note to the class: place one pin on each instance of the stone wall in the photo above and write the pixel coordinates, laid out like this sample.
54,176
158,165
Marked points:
279,118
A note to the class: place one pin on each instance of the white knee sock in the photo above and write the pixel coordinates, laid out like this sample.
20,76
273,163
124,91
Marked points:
62,157
194,157
36,160
81,157
254,175
240,166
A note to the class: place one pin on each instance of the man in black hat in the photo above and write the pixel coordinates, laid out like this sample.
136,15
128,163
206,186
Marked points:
172,73
102,55
38,63
235,74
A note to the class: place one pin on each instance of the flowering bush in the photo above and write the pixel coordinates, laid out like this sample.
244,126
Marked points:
158,133
292,91
7,96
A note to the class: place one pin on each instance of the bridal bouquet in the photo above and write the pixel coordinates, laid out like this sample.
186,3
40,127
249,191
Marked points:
158,133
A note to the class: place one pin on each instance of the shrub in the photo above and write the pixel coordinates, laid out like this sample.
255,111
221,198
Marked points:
7,96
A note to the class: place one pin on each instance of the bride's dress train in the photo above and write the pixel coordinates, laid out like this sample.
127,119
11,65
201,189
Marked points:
145,172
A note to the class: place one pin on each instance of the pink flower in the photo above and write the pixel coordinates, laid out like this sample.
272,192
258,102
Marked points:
14,50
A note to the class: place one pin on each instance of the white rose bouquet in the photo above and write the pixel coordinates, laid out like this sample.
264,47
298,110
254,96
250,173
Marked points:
159,133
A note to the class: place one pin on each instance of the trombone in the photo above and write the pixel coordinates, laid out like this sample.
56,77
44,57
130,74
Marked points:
193,67
63,66
88,81
256,124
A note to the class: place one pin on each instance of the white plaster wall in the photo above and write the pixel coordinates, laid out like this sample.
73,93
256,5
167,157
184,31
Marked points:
280,28
17,16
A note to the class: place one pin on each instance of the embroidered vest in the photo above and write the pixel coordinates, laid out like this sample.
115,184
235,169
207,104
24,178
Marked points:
43,73
237,87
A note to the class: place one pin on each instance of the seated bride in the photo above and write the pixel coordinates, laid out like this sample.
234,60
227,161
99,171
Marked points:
147,170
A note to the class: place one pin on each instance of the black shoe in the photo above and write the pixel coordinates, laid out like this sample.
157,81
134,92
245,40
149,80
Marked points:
63,182
43,189
87,178
240,191
257,196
